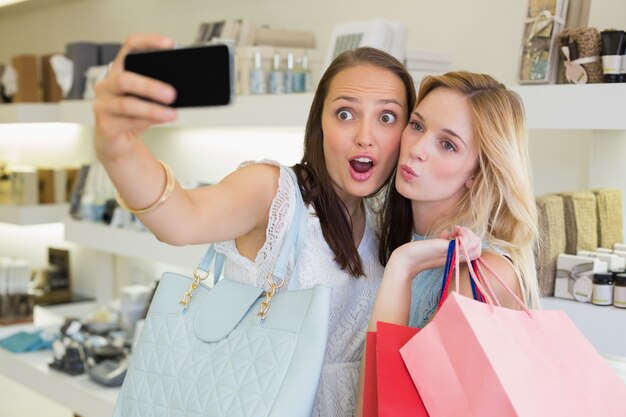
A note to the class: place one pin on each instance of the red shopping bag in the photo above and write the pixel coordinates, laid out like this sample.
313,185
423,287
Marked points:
389,390
492,361
370,391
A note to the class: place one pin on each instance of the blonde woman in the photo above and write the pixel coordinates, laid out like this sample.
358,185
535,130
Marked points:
463,161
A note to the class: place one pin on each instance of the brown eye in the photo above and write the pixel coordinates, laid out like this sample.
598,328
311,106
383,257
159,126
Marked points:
344,115
388,118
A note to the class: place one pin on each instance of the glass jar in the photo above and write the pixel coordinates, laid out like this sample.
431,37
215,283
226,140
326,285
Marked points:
602,289
619,293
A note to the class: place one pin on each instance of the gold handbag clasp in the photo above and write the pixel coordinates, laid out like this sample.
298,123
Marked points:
265,304
197,277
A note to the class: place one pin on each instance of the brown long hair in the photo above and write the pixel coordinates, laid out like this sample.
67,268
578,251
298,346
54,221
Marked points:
317,188
499,205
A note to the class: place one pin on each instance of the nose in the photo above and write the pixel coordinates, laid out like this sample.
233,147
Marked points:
364,137
418,148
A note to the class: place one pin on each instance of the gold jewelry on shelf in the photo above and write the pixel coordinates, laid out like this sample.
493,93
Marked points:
167,192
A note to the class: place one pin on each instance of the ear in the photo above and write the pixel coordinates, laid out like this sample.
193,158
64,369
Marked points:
469,182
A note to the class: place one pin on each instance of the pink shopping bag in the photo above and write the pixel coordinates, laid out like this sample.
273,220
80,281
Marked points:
478,359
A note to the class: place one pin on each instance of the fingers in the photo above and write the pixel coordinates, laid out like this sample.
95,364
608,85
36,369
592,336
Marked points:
139,42
471,242
127,95
117,91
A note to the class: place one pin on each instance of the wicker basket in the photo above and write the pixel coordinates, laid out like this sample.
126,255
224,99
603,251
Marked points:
581,221
552,240
610,223
588,42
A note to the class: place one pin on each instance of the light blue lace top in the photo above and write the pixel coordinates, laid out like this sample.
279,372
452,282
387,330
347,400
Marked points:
426,289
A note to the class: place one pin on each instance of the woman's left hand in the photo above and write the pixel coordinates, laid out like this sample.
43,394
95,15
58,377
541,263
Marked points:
471,242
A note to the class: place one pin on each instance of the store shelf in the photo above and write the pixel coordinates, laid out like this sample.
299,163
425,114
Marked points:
29,113
284,110
76,111
132,243
600,324
589,107
77,393
33,214
568,106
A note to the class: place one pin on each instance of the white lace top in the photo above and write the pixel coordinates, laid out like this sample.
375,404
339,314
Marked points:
352,298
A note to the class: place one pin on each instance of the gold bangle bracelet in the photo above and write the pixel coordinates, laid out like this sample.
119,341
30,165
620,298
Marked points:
167,192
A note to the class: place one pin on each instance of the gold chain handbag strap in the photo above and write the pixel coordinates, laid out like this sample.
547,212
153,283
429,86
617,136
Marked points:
197,277
265,304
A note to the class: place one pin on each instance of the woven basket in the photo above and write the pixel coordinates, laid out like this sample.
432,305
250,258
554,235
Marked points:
581,221
588,42
610,223
552,240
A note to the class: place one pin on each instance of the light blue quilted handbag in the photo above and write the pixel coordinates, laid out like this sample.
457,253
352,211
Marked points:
232,350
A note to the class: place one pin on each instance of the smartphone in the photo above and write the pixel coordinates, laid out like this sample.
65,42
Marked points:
201,75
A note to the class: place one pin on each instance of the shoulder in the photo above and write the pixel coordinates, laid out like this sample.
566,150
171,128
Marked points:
257,176
506,271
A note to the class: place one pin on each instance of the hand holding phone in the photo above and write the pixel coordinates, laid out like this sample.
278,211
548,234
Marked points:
201,75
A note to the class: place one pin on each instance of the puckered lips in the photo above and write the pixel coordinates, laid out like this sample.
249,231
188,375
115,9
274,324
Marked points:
362,167
407,172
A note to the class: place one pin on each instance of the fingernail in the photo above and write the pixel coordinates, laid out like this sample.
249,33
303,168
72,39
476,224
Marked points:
167,94
169,114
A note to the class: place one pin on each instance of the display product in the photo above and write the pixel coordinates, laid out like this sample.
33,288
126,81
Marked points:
619,294
602,289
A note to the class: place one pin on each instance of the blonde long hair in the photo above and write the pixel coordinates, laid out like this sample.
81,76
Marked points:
499,204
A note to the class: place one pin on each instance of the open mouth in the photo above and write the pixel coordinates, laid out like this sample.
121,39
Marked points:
362,164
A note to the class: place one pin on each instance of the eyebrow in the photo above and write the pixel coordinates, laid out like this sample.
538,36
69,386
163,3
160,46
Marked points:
379,101
448,131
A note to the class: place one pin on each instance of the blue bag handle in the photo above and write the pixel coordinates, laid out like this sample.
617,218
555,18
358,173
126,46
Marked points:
293,244
477,295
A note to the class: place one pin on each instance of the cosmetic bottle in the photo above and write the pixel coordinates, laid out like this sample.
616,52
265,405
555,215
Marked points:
623,71
307,74
612,41
619,293
289,75
602,289
298,77
277,77
5,185
257,76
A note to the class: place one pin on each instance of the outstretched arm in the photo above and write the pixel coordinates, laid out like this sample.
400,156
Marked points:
126,105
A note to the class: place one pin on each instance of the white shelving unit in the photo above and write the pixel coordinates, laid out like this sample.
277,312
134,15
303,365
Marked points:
587,107
595,322
33,214
564,106
133,243
29,113
77,393
286,110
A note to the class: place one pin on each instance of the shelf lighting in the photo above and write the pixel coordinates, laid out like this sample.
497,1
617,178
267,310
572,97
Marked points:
4,3
40,143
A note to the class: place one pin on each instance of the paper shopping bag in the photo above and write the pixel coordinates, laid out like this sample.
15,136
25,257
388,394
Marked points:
397,395
492,361
389,390
370,391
